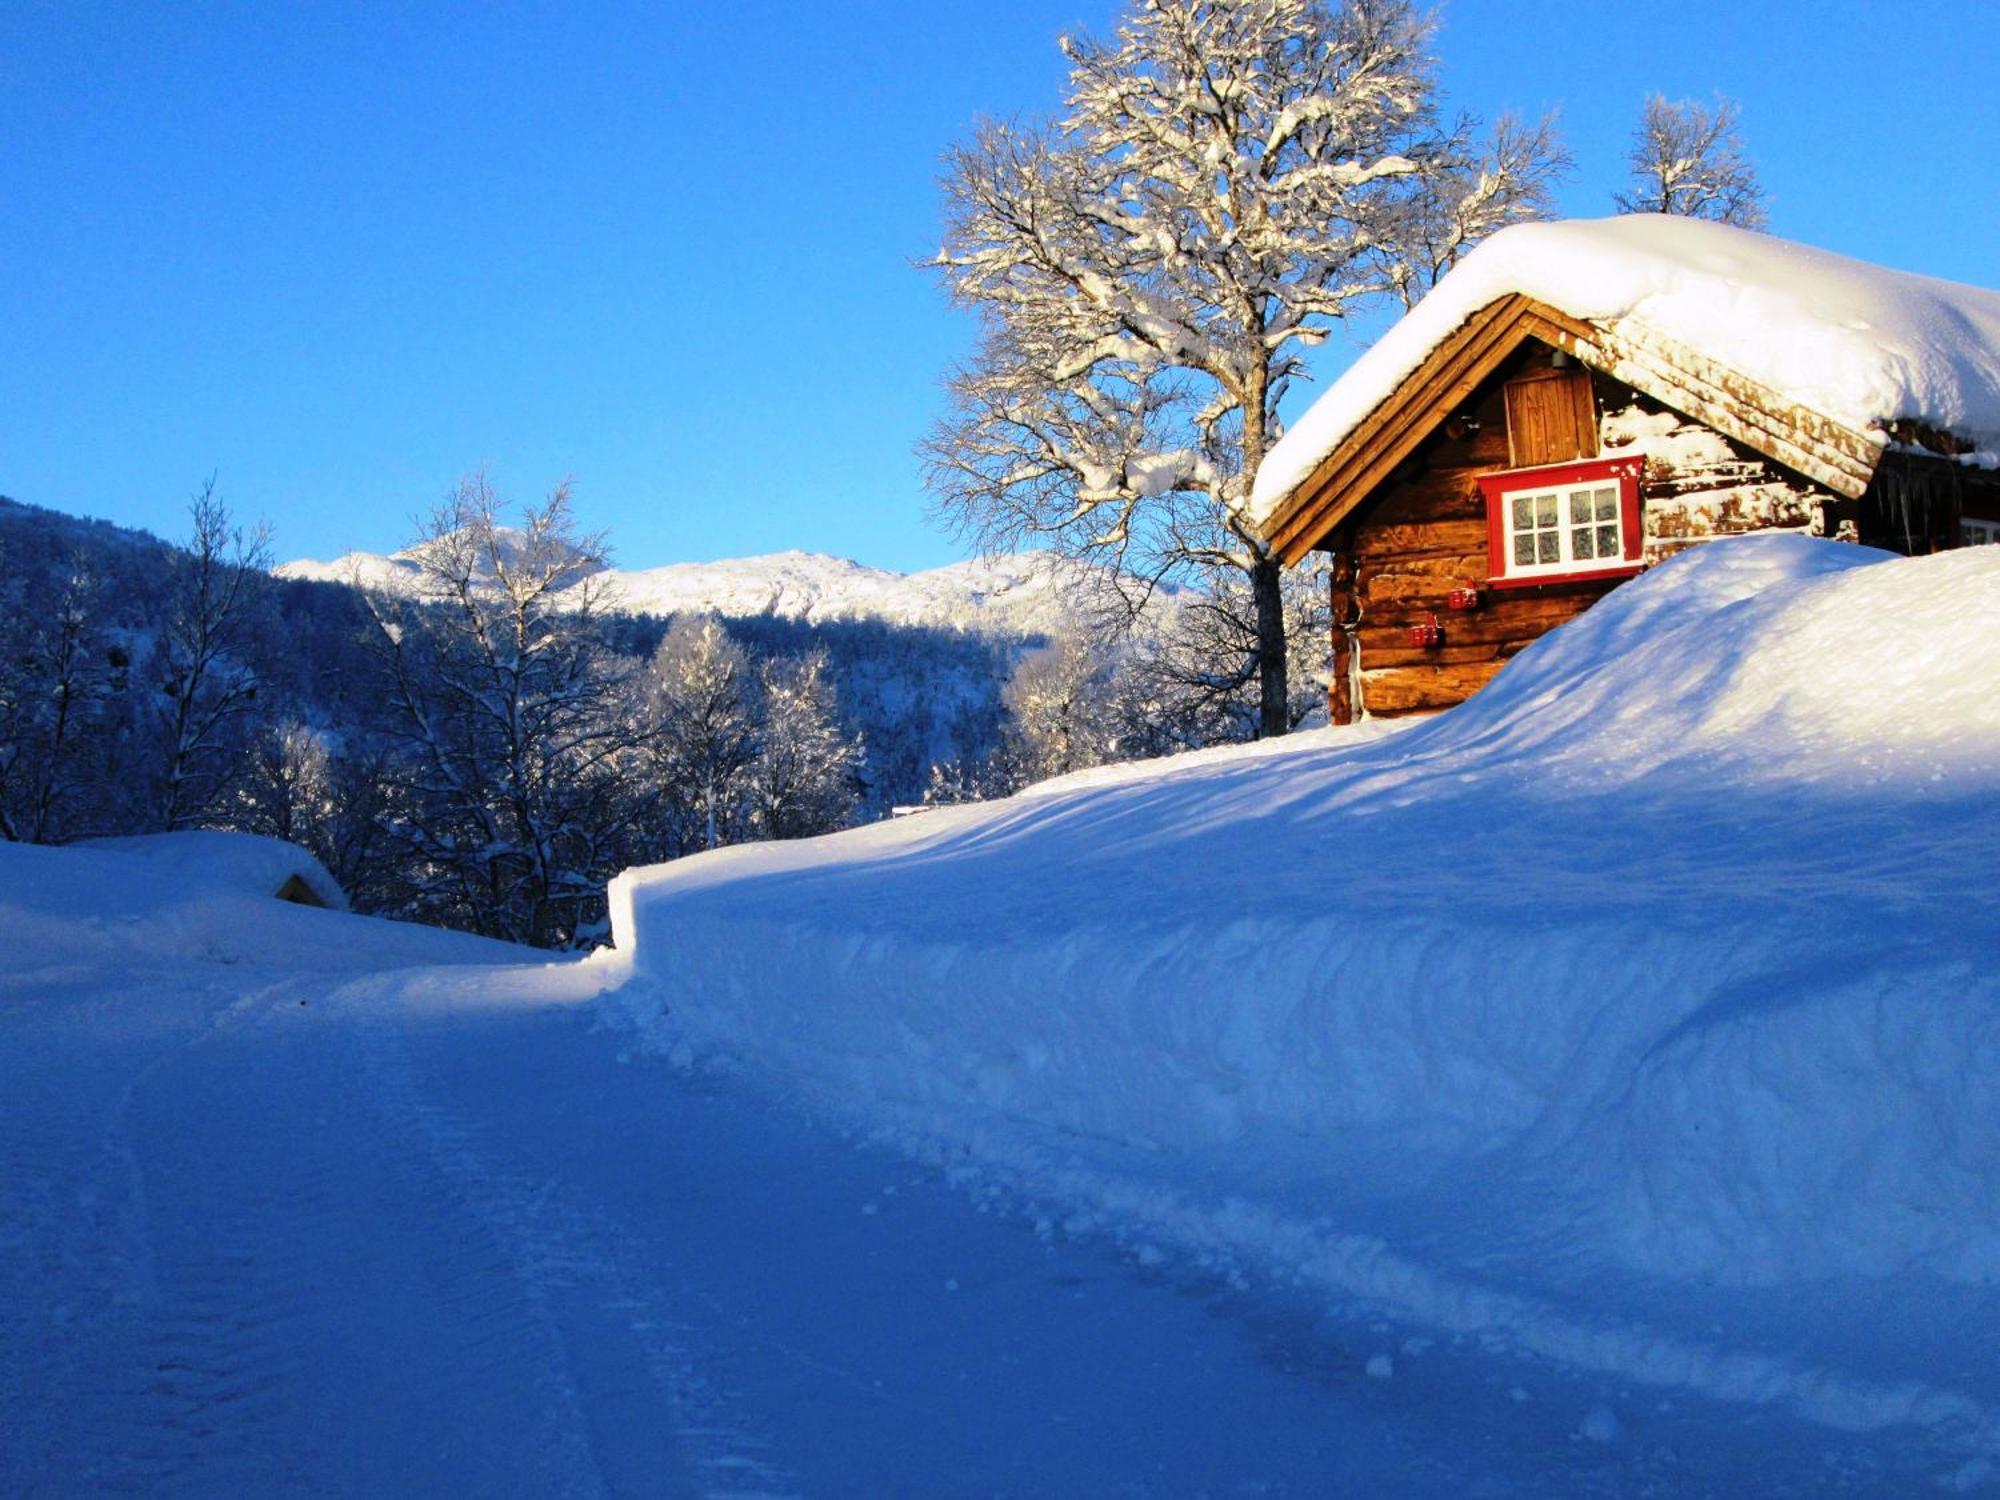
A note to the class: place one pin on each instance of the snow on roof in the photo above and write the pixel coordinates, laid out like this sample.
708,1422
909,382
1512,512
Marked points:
242,863
1857,343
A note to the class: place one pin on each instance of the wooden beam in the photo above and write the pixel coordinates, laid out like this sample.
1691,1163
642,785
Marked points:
1395,428
1340,690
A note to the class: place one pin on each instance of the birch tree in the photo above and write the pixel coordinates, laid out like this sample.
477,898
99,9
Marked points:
701,735
208,681
55,671
804,779
1226,184
508,710
1688,159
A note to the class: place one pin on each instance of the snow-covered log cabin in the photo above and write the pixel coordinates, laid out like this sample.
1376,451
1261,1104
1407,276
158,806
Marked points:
1579,400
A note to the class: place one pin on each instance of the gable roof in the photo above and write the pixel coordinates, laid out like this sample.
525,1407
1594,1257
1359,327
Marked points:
1803,355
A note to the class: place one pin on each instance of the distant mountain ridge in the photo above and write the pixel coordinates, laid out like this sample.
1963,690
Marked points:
1021,594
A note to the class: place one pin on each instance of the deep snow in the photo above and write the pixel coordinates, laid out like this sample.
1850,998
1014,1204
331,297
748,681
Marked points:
286,1216
1586,1092
244,864
1859,343
1640,1013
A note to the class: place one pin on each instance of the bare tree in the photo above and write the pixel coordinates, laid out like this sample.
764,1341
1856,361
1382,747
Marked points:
510,714
207,681
1181,671
55,670
1475,190
289,790
1688,159
1228,182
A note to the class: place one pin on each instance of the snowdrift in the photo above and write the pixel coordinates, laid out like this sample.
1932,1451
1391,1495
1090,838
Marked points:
1668,961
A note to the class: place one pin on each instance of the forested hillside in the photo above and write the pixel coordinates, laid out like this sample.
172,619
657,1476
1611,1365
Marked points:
145,686
494,730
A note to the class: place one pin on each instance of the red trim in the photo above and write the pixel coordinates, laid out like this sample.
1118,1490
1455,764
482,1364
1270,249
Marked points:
1536,580
1627,471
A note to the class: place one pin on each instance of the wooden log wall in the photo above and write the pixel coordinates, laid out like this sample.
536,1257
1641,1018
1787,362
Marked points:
1424,534
1699,484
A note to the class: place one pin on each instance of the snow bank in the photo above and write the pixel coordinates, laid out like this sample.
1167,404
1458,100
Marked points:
1669,960
1856,342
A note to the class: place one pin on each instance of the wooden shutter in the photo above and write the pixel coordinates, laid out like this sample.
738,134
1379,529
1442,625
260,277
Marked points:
1551,418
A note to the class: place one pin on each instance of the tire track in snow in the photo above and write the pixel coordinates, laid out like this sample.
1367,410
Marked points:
578,1286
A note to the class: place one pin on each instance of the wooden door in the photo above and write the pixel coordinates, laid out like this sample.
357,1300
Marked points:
1551,418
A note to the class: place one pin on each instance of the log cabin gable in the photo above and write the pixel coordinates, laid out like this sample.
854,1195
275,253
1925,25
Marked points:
1492,342
1435,587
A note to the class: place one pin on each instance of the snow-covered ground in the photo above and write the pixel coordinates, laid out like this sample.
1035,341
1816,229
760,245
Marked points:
297,1202
1640,1015
1589,1092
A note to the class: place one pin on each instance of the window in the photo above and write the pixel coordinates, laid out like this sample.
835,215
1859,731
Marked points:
1563,521
1973,532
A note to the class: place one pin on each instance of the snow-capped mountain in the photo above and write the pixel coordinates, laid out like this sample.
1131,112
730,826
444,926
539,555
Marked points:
1017,595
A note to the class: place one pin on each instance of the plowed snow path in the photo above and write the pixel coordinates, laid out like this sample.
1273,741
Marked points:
427,1233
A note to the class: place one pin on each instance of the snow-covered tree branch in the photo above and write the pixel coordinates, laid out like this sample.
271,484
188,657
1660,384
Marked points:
1226,183
1688,159
510,713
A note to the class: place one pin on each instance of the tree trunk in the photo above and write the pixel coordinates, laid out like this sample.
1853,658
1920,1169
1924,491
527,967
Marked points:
1267,594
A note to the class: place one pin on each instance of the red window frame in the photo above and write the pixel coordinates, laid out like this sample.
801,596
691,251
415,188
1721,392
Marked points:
1627,471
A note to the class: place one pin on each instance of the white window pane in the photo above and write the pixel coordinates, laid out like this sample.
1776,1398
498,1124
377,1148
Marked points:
1524,549
1607,541
1545,510
1524,513
1579,544
1548,546
1607,505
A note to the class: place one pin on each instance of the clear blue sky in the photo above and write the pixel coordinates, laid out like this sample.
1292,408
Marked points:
340,254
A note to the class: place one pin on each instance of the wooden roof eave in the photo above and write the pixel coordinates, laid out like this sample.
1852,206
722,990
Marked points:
1814,445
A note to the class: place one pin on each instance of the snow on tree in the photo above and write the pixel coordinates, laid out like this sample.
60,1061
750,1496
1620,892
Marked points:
1511,180
805,778
1056,710
1688,159
306,785
208,683
701,734
509,712
1227,183
290,789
